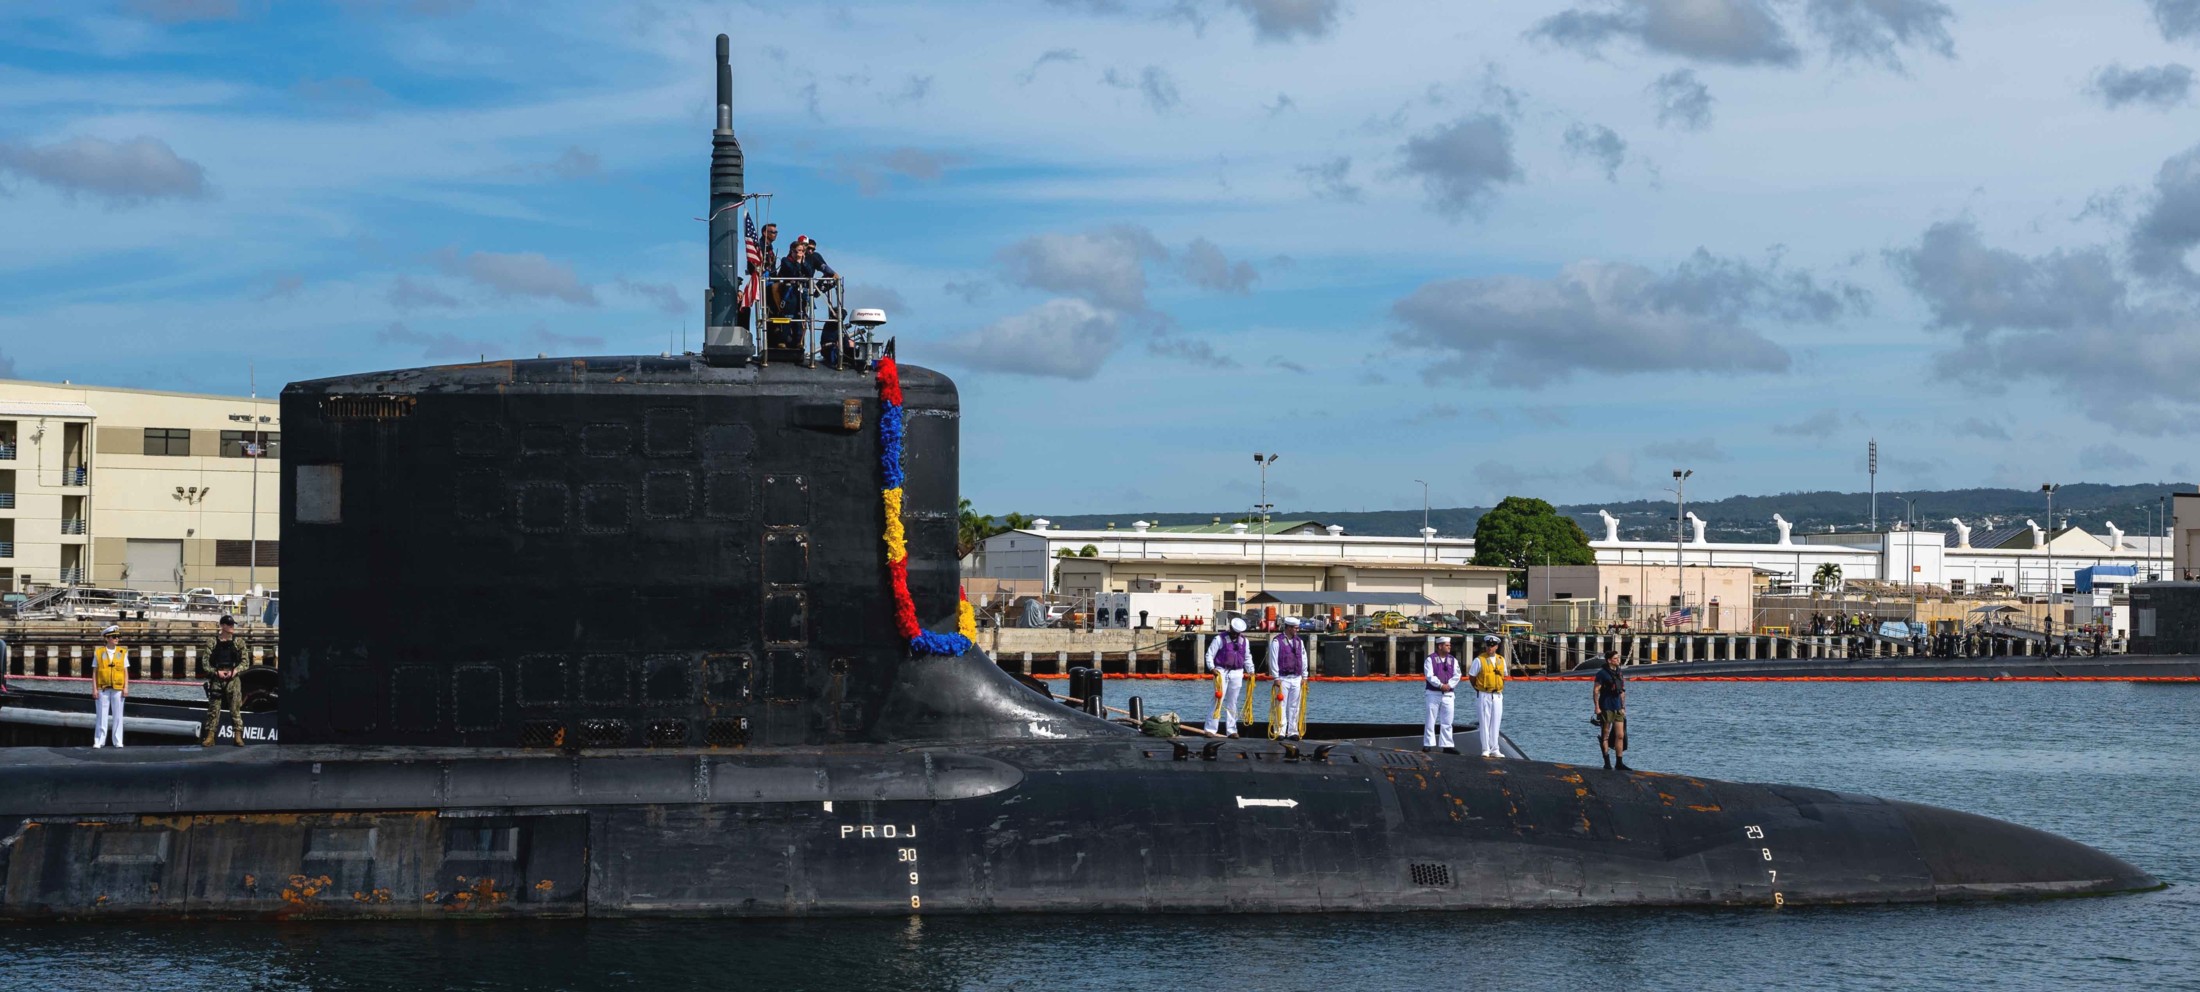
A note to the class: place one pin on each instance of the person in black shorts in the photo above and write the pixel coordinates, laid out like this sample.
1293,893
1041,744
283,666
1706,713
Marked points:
1608,694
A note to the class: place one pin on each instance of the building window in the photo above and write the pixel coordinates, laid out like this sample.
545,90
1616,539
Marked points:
233,443
167,441
1626,607
238,554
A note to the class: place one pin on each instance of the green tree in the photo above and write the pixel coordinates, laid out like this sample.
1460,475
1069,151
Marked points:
1088,551
971,528
1522,530
1828,577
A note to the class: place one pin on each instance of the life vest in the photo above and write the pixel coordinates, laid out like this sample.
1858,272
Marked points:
111,668
1231,656
1291,655
1443,668
1491,677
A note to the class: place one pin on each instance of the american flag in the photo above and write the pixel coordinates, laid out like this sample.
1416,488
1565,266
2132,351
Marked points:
755,286
1680,616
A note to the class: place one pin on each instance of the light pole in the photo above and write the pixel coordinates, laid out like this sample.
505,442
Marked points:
254,448
1264,461
1680,519
1909,551
2054,581
1872,463
1424,521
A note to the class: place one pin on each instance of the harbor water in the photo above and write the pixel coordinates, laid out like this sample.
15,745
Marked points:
2110,764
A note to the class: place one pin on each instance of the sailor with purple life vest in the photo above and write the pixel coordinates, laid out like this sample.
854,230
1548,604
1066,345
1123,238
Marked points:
1439,675
1229,657
1287,669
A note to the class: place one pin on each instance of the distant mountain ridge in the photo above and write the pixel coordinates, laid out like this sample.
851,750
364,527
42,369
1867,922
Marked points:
1748,518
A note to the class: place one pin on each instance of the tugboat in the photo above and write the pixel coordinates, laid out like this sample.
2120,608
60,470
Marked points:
713,662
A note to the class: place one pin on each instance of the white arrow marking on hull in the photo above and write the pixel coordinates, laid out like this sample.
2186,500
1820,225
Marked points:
1285,803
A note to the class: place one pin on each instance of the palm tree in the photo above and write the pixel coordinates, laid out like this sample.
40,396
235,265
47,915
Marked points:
971,528
1827,578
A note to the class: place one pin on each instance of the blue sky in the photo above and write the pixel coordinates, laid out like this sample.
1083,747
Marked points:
1540,248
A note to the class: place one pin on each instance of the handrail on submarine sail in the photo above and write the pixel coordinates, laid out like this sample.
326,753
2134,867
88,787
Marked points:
824,315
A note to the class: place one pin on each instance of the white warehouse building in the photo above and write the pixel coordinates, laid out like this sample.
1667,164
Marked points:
2015,560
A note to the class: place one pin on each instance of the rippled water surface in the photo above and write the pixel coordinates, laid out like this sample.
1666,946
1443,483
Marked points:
2117,766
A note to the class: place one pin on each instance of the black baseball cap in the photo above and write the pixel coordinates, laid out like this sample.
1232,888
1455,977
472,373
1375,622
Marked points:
228,621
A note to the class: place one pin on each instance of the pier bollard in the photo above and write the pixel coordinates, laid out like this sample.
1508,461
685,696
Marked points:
1061,662
1199,652
1390,655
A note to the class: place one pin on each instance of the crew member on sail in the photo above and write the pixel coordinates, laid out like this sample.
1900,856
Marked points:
1229,656
1287,668
1440,674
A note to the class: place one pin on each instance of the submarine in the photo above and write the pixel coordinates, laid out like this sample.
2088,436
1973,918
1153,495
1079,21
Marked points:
682,636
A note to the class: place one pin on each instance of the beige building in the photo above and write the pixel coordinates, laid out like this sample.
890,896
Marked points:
1231,581
137,488
1722,597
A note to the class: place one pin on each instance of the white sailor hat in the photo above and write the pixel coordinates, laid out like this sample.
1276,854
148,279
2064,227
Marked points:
110,631
1237,624
1290,621
1443,640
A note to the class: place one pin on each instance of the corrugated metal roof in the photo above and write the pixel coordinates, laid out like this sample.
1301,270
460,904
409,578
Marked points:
1340,599
1274,527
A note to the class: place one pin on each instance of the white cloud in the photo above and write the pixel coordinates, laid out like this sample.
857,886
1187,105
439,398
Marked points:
1063,338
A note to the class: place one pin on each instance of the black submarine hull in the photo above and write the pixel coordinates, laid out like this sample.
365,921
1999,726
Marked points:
1115,823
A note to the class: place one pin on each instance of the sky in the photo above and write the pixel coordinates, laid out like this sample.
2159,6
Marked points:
1555,248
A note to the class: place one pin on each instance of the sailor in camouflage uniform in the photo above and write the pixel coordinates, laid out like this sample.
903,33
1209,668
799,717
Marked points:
219,662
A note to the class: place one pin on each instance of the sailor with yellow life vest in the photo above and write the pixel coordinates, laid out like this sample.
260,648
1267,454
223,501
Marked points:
1287,669
1230,657
1486,673
110,682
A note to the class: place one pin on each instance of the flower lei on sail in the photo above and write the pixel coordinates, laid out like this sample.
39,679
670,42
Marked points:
890,429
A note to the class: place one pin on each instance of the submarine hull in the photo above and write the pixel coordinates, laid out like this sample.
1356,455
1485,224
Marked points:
1118,823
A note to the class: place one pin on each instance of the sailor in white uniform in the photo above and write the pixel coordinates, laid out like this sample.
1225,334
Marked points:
1287,667
1486,673
1229,657
1439,675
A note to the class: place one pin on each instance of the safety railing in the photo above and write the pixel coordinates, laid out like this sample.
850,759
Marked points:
7,451
7,549
72,526
806,320
7,501
76,475
73,576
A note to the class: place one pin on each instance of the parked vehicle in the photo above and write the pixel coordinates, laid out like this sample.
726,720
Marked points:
1391,619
